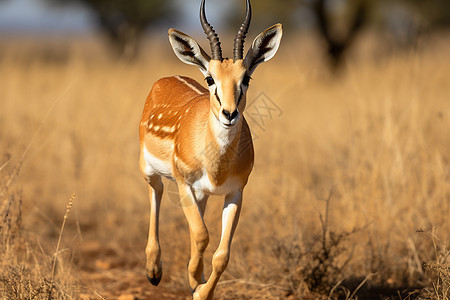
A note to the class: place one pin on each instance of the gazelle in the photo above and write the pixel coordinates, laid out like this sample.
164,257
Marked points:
200,138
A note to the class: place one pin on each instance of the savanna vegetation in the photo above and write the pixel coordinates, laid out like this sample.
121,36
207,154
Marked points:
349,197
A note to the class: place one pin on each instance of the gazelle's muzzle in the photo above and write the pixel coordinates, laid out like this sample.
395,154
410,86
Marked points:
228,119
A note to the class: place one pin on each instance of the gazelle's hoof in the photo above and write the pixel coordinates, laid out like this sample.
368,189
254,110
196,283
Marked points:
154,280
154,272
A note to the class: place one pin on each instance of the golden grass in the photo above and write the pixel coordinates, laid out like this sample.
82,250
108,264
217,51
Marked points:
26,271
366,154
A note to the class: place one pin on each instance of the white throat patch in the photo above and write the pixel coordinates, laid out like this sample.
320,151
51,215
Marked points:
224,136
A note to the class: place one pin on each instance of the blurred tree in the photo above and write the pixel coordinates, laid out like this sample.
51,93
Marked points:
338,22
436,12
125,21
339,38
265,13
408,21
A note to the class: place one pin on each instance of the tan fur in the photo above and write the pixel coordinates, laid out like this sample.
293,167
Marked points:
200,138
192,141
176,130
229,73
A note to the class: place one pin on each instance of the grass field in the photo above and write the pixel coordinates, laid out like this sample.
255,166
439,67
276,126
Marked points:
349,197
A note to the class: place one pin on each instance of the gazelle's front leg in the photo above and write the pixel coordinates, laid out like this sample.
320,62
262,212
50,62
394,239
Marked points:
230,217
153,250
193,210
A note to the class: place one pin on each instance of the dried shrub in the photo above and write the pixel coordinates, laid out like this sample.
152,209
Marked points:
438,271
318,267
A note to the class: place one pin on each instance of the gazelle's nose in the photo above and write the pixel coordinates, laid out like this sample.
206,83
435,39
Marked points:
228,115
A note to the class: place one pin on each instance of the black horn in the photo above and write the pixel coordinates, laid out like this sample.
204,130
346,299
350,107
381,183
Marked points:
211,34
238,50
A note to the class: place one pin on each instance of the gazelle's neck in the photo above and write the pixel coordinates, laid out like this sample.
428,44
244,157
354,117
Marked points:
221,143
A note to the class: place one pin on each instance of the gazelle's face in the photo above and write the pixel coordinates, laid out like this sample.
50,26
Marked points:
227,79
228,82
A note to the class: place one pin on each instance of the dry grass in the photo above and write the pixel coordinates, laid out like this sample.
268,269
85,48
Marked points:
377,137
439,272
27,272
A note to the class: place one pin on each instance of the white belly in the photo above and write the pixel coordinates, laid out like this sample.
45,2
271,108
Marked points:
205,185
155,165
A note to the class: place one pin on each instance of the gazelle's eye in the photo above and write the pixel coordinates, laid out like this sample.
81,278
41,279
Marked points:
209,80
246,80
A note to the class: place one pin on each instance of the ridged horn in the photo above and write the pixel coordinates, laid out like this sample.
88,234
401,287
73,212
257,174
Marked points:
238,50
210,34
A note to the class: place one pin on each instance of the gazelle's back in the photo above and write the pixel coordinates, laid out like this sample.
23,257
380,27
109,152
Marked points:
167,103
173,91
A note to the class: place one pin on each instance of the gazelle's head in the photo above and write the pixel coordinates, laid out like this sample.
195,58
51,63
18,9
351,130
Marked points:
228,79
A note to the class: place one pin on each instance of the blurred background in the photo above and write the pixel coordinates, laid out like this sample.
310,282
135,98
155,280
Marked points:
350,193
125,24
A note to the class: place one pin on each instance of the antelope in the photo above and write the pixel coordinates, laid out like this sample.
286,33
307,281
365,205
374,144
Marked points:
200,138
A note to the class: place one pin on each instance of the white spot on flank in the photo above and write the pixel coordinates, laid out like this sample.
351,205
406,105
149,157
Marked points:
156,128
168,129
151,117
187,110
189,85
150,125
159,116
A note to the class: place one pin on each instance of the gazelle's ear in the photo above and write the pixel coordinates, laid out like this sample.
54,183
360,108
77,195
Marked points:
187,50
263,47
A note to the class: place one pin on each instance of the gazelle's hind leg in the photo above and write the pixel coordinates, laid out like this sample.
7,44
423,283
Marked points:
153,249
